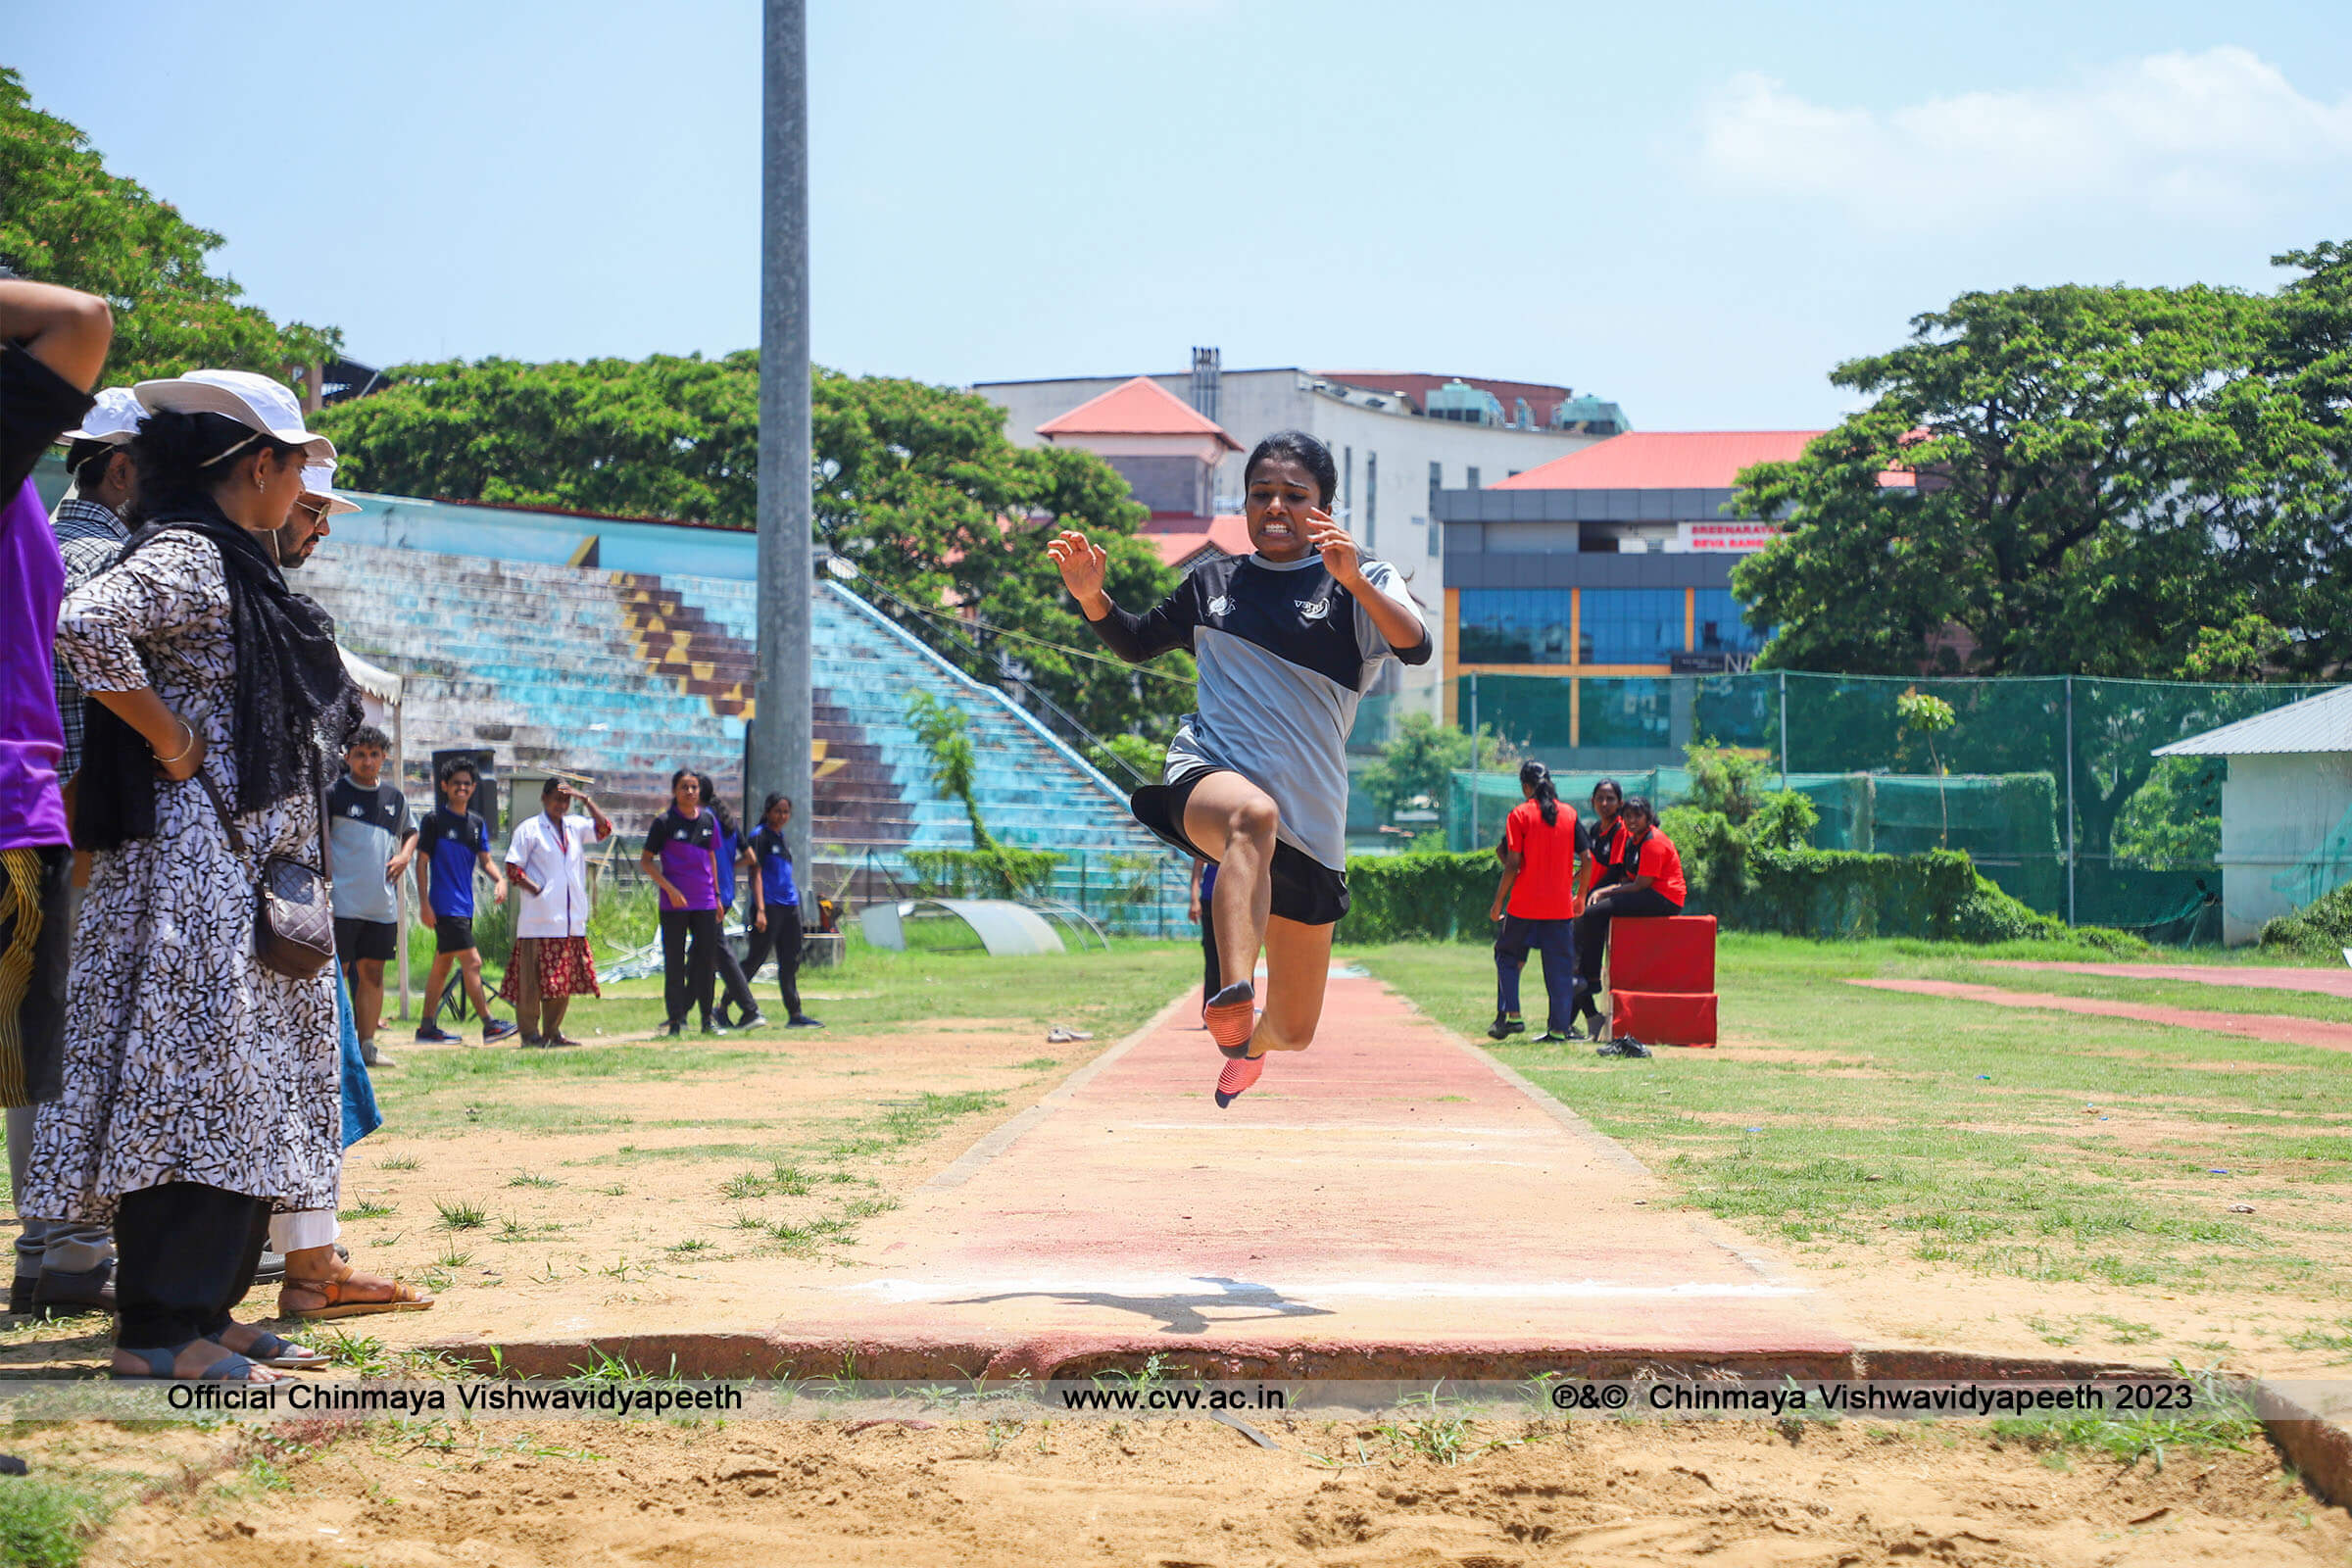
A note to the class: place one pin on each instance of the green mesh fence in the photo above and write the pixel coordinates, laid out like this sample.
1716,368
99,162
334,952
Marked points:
2050,782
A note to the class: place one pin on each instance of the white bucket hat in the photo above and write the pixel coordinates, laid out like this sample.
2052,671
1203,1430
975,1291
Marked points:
115,419
252,401
318,480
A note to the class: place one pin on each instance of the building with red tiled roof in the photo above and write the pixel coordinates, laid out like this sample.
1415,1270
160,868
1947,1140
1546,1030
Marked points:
1166,450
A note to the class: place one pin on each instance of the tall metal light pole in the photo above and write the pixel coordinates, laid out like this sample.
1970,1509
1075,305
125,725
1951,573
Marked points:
782,732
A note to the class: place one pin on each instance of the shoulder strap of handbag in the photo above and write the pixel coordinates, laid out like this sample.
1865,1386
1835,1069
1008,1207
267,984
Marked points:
236,840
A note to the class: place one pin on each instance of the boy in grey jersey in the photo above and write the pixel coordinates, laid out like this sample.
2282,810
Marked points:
1287,640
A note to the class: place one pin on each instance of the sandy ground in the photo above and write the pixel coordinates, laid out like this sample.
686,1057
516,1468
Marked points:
615,1214
1195,1494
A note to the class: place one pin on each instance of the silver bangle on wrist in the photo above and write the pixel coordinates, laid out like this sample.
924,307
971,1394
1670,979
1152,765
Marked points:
182,754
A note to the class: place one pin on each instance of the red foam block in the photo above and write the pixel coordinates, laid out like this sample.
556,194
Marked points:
1662,952
1663,1018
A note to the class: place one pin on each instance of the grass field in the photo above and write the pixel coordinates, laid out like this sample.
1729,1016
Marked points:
1846,1125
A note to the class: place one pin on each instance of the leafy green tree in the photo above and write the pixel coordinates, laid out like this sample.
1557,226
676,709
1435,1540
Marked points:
1928,715
65,219
1423,756
2102,474
914,485
946,734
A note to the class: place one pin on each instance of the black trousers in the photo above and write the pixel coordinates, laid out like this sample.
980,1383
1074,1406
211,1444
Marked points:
1556,941
735,992
1210,984
1593,935
185,1253
688,973
782,938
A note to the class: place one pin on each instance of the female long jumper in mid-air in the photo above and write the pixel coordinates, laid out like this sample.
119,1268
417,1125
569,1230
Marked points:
1256,781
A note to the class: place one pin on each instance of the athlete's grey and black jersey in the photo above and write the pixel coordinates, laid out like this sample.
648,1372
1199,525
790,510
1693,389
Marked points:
1285,655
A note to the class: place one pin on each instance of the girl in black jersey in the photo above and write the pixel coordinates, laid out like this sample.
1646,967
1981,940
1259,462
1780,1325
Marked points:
1287,640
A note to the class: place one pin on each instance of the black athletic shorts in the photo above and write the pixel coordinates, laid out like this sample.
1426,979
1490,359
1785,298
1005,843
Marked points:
365,938
1305,890
451,934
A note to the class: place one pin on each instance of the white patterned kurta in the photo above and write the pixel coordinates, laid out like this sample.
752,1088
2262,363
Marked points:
186,1059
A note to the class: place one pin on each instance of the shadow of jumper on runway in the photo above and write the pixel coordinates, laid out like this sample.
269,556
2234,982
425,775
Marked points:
1174,1314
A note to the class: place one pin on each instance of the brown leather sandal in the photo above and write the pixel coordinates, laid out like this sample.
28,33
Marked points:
334,1301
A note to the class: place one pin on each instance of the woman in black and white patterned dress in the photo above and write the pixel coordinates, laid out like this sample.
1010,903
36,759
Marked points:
201,1088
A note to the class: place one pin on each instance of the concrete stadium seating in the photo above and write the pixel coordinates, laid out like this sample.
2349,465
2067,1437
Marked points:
626,676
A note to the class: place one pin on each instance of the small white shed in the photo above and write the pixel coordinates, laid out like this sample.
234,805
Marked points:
2286,808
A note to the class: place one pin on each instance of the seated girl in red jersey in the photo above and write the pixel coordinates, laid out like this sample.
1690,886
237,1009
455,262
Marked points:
1605,865
1654,885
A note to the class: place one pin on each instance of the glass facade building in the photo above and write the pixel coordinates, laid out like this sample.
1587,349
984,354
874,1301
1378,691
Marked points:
1613,626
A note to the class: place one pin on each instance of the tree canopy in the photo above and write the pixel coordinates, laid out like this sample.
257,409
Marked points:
65,219
2146,482
915,484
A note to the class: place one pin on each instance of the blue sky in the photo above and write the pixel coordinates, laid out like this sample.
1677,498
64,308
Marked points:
1697,209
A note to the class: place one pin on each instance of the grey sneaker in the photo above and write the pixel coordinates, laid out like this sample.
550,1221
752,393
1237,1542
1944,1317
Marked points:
1624,1045
374,1058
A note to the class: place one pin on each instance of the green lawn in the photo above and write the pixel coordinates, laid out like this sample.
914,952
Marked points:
2041,1145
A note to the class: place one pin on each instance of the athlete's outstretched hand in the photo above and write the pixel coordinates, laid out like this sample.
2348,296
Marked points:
1082,564
1340,557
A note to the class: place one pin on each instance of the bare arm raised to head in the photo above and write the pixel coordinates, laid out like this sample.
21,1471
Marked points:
64,329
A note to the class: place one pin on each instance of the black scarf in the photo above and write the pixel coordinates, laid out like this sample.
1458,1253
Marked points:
295,706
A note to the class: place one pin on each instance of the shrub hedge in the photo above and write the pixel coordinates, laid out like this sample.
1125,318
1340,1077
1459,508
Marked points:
2320,929
1823,894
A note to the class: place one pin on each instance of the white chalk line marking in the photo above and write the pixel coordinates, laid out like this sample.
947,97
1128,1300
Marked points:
1242,1291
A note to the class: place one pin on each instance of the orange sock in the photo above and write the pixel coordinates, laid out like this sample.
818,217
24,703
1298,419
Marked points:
1232,1017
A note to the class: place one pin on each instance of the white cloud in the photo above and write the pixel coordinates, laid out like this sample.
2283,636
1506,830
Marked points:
2220,135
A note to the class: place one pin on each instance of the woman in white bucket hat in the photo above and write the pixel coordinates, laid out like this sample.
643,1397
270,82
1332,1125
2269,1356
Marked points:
201,1088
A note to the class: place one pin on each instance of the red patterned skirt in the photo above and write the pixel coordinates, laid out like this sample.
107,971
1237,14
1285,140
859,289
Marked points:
561,966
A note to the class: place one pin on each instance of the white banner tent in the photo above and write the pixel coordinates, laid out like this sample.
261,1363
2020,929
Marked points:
379,700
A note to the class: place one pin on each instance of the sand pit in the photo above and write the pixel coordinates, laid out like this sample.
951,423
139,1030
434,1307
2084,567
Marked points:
1176,1494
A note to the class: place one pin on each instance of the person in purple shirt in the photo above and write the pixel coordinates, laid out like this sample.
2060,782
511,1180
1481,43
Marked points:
53,344
681,855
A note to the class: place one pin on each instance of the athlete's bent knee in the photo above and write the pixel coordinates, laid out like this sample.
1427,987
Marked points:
1256,819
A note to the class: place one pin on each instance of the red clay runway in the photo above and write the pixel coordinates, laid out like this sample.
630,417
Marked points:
2248,1025
1389,1203
2326,982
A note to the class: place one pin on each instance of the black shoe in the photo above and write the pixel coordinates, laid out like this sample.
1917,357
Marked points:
758,1020
1552,1036
1505,1024
19,1294
801,1020
432,1034
58,1294
1624,1045
673,1029
712,1026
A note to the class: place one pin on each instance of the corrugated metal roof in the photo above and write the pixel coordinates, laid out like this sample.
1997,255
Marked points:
2321,724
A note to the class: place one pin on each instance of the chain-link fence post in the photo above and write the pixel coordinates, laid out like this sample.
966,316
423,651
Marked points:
2069,800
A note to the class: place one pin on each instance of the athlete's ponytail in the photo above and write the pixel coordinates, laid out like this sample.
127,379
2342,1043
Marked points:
1535,778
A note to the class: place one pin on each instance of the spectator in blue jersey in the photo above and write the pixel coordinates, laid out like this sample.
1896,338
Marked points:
1287,640
776,910
372,838
738,1009
681,855
454,844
